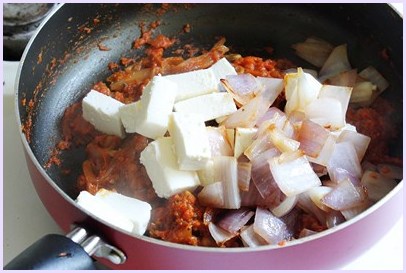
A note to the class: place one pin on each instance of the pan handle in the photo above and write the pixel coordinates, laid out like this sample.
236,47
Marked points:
55,252
73,251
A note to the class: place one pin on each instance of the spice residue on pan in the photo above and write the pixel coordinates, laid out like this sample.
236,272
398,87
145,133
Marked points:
102,47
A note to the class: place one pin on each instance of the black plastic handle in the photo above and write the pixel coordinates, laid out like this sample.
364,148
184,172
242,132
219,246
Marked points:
55,252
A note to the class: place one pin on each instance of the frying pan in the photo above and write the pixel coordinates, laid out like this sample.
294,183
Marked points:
62,62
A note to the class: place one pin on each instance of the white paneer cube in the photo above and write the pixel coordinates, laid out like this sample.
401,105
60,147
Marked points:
129,115
243,139
102,112
222,68
139,212
194,83
191,140
103,211
149,116
161,165
208,107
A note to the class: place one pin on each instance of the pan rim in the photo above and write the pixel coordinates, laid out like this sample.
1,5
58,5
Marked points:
144,238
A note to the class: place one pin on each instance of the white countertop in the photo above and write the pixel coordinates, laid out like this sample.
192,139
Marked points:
25,219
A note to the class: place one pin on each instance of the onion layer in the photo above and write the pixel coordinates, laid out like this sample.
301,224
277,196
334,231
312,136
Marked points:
269,227
294,176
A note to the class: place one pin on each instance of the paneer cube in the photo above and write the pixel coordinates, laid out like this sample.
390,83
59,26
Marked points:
203,81
149,116
222,68
139,212
208,107
102,112
191,140
103,211
162,168
194,83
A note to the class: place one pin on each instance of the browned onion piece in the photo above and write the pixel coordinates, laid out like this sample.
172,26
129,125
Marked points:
314,50
120,79
244,175
200,62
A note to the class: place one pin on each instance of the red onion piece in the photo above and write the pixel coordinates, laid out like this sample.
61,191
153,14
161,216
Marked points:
226,171
359,141
250,238
285,207
293,176
219,235
325,153
305,203
345,195
312,72
300,90
253,198
244,175
261,174
234,220
212,195
340,93
328,112
275,114
377,185
346,78
269,227
371,74
260,145
243,84
248,115
242,87
336,63
354,211
363,93
344,157
281,141
334,218
340,174
313,50
312,138
272,87
291,220
219,144
316,194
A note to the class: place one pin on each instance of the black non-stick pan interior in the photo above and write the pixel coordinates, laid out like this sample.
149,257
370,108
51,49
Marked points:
64,60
